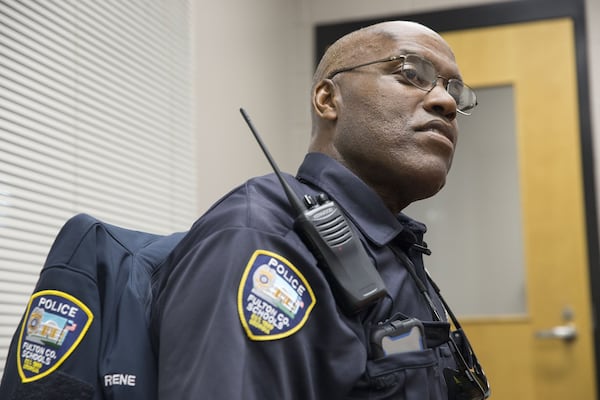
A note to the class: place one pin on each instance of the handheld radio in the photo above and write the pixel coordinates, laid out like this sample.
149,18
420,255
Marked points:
327,233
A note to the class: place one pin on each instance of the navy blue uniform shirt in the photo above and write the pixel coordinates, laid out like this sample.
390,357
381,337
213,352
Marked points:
243,311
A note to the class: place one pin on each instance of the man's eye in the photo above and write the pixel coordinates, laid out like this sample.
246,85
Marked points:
410,74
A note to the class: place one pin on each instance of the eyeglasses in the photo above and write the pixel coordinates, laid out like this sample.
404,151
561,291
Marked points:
422,74
468,382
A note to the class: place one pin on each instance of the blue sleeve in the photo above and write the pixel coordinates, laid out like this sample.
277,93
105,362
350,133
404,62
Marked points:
245,314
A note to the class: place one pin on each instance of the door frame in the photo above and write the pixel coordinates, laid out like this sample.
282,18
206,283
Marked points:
509,13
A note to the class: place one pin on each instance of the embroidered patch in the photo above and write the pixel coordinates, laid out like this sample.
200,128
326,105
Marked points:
274,298
54,324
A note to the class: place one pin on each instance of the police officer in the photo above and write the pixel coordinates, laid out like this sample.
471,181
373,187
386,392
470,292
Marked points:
243,309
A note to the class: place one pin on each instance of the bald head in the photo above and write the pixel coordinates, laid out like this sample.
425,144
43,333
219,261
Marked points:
364,44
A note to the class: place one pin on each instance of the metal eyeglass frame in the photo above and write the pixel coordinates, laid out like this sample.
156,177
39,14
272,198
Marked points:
465,110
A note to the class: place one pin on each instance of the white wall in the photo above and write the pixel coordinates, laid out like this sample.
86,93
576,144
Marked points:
260,55
336,10
243,53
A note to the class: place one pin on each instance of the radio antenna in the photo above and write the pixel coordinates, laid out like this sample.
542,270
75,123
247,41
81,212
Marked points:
292,197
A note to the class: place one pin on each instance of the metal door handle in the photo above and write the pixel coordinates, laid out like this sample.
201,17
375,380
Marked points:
568,333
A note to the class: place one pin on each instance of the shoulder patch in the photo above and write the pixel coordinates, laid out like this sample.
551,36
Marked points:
55,323
274,298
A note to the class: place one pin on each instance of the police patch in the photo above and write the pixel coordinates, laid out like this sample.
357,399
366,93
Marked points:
55,323
274,298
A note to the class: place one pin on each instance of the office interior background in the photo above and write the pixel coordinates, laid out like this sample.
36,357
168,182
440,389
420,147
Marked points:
129,111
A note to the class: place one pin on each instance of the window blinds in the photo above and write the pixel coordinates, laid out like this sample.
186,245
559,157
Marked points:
94,117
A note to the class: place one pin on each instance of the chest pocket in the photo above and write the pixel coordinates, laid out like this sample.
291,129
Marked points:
404,376
409,375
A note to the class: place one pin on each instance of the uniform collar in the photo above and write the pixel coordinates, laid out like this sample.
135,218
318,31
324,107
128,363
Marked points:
362,205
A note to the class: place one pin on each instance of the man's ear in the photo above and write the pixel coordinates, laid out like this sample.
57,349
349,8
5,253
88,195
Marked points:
325,101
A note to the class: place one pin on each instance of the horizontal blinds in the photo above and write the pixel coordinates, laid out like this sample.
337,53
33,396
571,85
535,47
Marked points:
94,117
